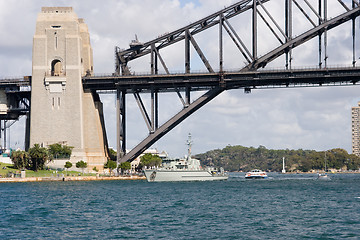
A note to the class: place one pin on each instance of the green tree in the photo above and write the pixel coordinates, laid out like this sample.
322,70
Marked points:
68,165
150,160
60,151
20,159
305,165
124,166
39,156
113,154
81,164
353,163
337,158
111,165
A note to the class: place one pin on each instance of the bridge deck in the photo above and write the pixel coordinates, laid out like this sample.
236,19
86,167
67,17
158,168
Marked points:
205,81
230,80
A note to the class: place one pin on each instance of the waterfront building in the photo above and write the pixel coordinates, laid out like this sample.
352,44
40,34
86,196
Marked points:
355,120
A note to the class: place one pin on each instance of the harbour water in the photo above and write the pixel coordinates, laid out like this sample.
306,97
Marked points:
284,206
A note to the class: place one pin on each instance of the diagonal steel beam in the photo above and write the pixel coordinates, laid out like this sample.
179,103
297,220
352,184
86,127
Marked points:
312,9
180,97
239,39
162,61
344,5
173,122
200,53
304,13
237,44
262,61
272,19
143,111
271,29
355,2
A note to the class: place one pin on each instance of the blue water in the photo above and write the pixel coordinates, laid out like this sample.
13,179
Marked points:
281,207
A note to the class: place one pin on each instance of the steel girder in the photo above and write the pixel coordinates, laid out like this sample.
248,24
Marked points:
218,82
170,124
215,83
228,79
334,22
125,56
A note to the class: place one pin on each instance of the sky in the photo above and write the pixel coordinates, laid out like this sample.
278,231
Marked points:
293,118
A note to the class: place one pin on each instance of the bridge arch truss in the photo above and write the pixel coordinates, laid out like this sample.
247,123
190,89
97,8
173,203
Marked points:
216,80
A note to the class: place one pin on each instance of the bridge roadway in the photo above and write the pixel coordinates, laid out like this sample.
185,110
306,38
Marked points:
228,80
304,77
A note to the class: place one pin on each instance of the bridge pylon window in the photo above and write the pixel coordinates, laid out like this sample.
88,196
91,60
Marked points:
56,67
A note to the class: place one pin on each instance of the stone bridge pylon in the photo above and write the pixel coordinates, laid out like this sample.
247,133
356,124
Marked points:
61,110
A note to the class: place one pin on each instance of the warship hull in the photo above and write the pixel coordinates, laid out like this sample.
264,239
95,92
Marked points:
155,175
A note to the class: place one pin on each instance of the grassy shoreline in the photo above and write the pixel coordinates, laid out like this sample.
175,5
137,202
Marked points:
66,179
8,169
9,174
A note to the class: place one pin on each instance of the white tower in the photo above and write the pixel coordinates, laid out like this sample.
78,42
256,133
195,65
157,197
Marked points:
283,170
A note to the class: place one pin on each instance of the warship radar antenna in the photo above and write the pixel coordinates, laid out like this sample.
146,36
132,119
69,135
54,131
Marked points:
189,143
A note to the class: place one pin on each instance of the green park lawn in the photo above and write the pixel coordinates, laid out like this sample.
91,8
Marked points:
41,173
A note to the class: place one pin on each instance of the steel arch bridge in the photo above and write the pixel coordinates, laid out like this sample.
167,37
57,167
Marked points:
248,76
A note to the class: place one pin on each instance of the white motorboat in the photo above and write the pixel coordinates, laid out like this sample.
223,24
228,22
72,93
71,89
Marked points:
323,176
256,173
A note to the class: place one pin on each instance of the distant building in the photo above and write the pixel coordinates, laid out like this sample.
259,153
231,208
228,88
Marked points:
355,119
135,163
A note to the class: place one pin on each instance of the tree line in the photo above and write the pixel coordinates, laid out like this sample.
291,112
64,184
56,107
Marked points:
239,158
36,157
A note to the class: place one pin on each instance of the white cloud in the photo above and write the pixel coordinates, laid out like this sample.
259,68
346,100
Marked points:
316,118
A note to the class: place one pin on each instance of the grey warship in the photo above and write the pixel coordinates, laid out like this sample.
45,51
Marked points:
184,169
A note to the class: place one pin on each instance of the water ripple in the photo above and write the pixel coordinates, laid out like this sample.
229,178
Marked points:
283,207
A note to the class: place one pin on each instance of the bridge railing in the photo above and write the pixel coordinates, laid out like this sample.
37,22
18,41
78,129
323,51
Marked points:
233,70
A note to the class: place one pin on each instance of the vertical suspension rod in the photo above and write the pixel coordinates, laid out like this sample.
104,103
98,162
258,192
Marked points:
156,61
353,37
156,110
5,137
120,124
187,52
288,31
221,19
152,56
325,34
187,95
254,26
118,127
152,110
320,34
